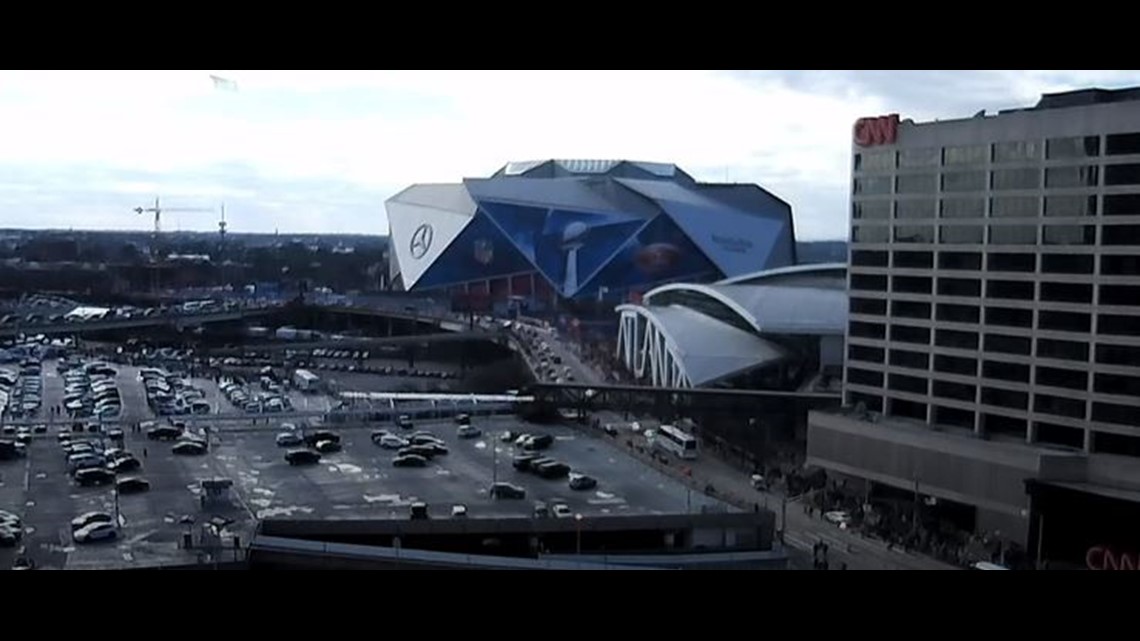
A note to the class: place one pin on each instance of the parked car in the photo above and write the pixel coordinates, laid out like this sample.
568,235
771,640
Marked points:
582,482
89,518
302,457
9,536
289,439
459,511
468,431
328,447
562,511
94,476
189,448
95,532
124,464
392,442
409,460
506,491
314,437
132,485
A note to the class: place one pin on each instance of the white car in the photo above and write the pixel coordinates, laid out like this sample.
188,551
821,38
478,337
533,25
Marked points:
289,439
562,511
392,442
838,517
458,511
90,518
102,531
468,431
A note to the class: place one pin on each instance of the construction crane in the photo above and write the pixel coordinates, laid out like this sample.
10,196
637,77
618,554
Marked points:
158,209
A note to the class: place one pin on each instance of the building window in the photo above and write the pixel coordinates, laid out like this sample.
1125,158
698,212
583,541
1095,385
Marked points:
1062,350
1115,413
1012,262
955,364
1118,325
866,353
1066,292
1059,406
957,391
1013,234
903,383
875,161
1019,151
867,377
868,258
953,313
956,339
963,207
1122,174
912,284
861,329
1064,321
1066,177
1019,178
870,402
1067,264
1005,398
998,425
953,417
873,185
871,234
914,260
1064,435
962,234
1117,384
1077,147
1122,144
1013,289
967,261
906,358
1071,205
909,334
968,155
1118,444
1127,355
910,309
1067,378
1009,317
1120,295
1014,206
908,409
959,287
964,181
1001,370
869,282
916,208
914,234
1121,235
871,210
872,306
917,184
1122,205
1008,344
1113,265
1069,235
912,158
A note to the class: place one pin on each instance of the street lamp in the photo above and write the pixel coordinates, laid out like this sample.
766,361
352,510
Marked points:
494,460
578,522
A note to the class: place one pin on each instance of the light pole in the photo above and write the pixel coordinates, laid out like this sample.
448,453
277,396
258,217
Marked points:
578,546
494,461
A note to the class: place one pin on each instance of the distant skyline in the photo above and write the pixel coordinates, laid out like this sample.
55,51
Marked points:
319,152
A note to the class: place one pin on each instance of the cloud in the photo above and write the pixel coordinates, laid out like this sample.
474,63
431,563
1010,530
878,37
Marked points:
320,151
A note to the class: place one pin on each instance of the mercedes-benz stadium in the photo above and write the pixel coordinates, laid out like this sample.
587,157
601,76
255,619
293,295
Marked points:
551,231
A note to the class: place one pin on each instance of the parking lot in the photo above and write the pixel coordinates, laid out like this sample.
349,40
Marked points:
357,482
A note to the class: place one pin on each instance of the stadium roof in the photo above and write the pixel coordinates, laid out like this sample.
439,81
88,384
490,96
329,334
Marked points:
707,349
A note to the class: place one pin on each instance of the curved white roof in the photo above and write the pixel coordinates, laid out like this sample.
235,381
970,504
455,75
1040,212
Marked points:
839,269
774,309
707,349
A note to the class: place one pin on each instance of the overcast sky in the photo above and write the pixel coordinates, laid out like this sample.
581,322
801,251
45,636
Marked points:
320,151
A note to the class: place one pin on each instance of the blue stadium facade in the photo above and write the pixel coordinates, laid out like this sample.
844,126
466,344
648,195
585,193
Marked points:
582,230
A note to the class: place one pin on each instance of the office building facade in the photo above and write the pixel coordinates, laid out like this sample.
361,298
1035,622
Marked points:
994,291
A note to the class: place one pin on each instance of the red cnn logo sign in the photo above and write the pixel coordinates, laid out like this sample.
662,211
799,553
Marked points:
881,130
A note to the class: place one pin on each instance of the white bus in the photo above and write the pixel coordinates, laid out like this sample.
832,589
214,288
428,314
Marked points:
675,440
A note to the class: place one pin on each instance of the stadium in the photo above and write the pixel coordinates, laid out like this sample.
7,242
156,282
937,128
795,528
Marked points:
553,234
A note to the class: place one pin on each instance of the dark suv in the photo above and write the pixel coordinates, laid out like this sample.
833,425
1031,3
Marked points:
507,491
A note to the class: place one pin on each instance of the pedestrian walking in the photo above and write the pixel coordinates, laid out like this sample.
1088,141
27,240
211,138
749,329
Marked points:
144,452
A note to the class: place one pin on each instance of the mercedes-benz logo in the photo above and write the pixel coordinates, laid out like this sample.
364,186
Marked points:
421,241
